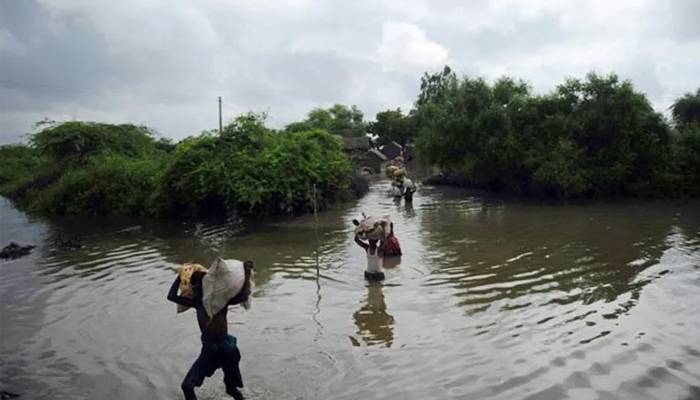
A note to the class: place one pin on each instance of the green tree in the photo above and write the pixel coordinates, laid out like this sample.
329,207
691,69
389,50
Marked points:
686,110
688,160
434,87
76,142
90,168
464,128
393,125
249,168
686,118
17,164
592,137
338,120
626,143
107,184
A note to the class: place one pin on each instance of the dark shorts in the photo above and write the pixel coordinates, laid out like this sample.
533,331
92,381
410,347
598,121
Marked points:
219,352
374,276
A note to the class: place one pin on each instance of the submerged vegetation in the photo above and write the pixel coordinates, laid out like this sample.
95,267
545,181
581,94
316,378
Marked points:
248,167
587,138
91,168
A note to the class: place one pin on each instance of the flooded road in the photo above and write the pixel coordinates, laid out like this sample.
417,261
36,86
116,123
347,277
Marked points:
493,299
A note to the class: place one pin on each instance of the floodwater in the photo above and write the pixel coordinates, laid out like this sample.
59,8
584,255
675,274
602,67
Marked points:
493,299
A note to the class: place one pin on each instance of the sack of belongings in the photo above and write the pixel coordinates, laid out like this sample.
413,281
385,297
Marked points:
372,227
222,282
399,173
185,271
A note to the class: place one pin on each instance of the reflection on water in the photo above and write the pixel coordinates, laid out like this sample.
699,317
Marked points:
375,326
492,299
408,211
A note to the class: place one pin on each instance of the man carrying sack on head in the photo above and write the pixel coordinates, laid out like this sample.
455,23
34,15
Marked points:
210,292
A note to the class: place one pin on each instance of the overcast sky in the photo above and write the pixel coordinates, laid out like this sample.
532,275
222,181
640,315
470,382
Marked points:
163,63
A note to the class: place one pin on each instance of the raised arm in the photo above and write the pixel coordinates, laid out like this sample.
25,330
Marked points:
361,243
173,296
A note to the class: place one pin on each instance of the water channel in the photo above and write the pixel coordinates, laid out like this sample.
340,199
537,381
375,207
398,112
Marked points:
494,298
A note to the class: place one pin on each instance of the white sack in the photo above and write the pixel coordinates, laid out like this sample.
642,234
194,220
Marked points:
223,281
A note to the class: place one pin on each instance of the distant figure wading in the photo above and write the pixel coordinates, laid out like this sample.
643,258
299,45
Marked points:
379,244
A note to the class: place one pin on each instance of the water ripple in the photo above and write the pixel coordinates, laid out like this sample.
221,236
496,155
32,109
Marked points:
492,298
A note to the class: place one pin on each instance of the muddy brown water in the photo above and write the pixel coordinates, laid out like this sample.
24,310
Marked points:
493,299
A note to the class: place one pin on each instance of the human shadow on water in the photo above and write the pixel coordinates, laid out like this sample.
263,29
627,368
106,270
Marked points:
375,326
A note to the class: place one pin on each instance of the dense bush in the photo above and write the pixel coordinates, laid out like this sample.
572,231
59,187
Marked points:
687,159
89,168
250,168
86,168
107,184
686,117
592,137
76,142
18,163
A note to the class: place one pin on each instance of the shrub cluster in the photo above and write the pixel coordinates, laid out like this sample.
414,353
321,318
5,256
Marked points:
92,168
588,138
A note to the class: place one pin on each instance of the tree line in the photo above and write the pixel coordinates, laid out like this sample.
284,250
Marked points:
94,168
588,137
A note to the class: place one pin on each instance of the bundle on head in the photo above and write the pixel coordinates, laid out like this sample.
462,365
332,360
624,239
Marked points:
185,271
373,227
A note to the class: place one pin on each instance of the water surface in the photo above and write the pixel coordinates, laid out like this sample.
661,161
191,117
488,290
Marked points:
492,299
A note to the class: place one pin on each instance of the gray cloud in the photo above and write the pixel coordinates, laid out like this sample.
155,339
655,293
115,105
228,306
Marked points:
45,61
164,63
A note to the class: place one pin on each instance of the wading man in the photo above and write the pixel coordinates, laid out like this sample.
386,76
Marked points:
375,258
219,349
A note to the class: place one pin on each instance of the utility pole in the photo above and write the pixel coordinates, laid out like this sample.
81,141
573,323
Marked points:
220,125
